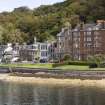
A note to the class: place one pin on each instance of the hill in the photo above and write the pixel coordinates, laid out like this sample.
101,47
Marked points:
44,22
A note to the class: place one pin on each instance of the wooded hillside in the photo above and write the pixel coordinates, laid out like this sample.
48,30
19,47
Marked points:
22,24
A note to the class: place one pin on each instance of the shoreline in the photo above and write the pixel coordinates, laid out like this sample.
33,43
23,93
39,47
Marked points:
51,81
54,73
71,75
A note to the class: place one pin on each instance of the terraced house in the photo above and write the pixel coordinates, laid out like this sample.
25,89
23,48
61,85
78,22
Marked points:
83,41
36,52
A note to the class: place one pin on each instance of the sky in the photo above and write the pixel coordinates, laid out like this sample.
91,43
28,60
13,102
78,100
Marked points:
9,5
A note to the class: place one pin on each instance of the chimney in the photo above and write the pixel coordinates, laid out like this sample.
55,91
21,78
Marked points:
34,40
104,24
82,21
81,25
101,23
63,29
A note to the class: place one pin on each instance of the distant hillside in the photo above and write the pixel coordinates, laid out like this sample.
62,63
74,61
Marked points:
22,24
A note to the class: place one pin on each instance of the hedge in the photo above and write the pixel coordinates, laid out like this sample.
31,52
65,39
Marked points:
60,64
78,63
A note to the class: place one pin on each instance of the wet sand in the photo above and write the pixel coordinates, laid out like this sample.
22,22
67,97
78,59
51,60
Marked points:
52,81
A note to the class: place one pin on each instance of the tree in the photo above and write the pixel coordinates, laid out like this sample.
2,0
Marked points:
98,59
1,34
46,21
13,35
66,58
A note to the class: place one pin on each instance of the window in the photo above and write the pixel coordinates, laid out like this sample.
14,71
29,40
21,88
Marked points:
89,33
34,47
43,47
44,54
97,44
89,39
87,45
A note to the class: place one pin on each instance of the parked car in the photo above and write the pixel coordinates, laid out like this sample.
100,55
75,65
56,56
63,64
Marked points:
43,60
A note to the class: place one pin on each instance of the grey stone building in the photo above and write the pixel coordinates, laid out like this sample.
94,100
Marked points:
82,41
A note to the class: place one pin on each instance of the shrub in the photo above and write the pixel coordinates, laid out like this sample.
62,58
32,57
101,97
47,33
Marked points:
94,65
97,59
81,63
66,58
60,64
56,61
102,65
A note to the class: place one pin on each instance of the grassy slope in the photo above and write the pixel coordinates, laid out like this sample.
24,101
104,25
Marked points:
73,67
28,65
49,66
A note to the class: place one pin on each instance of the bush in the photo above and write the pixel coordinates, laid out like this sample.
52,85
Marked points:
66,58
78,63
102,65
56,61
60,64
97,59
94,65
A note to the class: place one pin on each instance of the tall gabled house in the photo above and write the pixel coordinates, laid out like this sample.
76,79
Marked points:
83,41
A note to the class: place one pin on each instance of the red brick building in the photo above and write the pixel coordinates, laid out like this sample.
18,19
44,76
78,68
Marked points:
83,41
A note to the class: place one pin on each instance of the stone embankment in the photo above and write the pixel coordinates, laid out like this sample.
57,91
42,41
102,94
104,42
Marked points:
54,73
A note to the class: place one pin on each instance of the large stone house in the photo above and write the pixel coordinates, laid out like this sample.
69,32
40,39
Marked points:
29,53
37,51
83,41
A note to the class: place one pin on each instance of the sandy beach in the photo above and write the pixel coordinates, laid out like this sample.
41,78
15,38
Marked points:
52,81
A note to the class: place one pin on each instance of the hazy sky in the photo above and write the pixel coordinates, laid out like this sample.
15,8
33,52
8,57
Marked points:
9,5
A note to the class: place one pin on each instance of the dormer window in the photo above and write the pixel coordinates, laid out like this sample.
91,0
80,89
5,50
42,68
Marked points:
96,28
75,29
88,33
89,29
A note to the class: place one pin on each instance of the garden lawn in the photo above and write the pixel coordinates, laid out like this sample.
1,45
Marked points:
97,69
73,67
48,66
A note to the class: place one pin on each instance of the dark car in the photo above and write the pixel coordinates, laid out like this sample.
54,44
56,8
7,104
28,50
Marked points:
43,61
